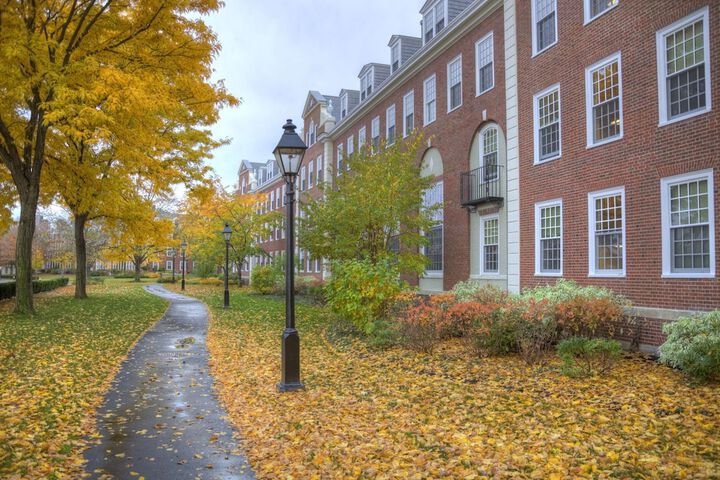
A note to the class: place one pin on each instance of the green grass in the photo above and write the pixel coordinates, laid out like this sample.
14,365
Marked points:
54,368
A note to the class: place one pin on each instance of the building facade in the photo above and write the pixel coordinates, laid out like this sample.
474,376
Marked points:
566,139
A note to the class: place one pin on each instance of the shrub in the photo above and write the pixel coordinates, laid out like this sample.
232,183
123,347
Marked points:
265,280
166,280
693,345
461,317
535,331
211,281
7,290
361,291
421,326
311,288
152,275
473,291
495,333
584,357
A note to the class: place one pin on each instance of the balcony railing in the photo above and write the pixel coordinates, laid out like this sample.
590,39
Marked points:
482,185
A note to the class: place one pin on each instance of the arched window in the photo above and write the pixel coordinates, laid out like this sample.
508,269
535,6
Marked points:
489,153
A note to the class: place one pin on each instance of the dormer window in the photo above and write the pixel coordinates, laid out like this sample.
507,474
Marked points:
395,57
343,106
312,134
366,84
434,21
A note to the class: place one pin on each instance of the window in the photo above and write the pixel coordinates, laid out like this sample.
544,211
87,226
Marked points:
434,20
319,169
272,200
544,26
434,249
303,180
606,235
277,198
313,132
430,95
361,138
318,265
408,113
343,106
350,145
366,84
490,237
395,56
375,133
484,75
311,173
595,8
301,255
547,124
489,155
390,125
168,265
683,51
603,86
454,75
688,230
548,238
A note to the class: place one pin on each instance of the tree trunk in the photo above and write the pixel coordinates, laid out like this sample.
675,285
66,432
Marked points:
80,257
23,251
138,273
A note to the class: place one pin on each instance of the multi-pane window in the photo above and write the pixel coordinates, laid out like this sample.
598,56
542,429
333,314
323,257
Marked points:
313,133
548,238
430,99
547,124
544,24
491,245
408,113
684,76
688,226
366,84
350,145
340,160
434,249
390,125
375,133
604,109
454,75
303,179
168,265
434,21
395,56
361,138
595,8
343,106
606,218
485,76
490,154
319,170
311,173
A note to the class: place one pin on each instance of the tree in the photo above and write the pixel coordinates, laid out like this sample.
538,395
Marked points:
55,53
7,200
364,218
205,214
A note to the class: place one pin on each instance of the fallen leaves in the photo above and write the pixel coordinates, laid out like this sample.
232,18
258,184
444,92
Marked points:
399,414
54,368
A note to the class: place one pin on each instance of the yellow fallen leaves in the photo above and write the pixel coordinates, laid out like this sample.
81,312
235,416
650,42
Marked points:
398,414
54,368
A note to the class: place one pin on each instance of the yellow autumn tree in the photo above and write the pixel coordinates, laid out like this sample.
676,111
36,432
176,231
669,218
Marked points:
54,59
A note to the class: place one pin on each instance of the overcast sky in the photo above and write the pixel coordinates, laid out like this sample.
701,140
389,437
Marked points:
275,51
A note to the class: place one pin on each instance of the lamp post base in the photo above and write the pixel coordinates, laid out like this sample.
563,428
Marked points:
290,380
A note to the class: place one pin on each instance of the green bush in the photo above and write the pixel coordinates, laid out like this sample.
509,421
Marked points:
311,288
7,290
583,357
693,345
495,333
474,291
361,292
266,279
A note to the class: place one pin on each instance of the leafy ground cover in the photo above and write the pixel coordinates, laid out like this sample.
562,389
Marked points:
54,368
398,414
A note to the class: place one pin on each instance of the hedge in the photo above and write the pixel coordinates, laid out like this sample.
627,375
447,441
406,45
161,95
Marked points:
7,290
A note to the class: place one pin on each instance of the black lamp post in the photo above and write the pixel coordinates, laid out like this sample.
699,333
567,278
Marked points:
183,246
172,253
289,155
226,234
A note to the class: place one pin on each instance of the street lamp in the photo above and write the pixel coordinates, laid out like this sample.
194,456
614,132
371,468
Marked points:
183,245
289,155
226,233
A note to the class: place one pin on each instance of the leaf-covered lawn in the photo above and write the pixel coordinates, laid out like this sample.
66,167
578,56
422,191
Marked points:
398,414
54,368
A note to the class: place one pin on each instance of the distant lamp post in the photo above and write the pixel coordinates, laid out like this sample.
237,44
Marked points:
183,246
227,232
289,154
172,254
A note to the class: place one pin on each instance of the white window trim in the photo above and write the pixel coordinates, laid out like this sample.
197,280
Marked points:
169,265
434,24
405,113
432,78
536,124
589,100
388,117
482,245
538,263
375,132
533,8
397,44
344,102
438,273
477,66
588,18
665,214
459,57
350,147
592,271
661,66
362,137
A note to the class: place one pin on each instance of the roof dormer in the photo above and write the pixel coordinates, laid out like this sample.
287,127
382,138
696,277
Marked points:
437,14
402,47
349,99
371,77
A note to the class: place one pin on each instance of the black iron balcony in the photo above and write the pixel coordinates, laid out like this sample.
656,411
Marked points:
482,185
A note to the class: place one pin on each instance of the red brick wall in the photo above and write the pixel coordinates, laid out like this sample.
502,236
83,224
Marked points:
638,161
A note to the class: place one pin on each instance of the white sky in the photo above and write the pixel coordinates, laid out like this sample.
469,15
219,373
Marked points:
275,51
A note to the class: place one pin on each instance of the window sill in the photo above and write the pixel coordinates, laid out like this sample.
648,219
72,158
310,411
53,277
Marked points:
488,276
604,142
684,117
547,160
606,275
688,275
433,275
484,91
428,123
453,109
548,274
535,54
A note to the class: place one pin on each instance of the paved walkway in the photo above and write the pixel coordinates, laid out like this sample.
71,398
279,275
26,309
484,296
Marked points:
161,418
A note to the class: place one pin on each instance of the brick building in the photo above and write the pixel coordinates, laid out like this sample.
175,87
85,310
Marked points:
566,139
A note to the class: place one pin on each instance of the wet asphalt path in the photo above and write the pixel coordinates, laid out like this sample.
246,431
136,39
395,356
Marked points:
161,418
